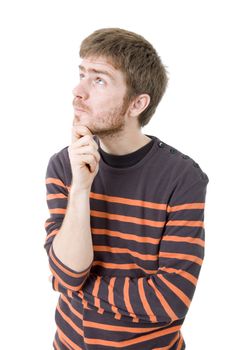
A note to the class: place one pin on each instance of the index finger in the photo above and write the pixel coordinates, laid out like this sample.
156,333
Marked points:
78,131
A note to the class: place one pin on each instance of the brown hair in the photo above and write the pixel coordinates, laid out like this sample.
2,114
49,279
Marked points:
136,58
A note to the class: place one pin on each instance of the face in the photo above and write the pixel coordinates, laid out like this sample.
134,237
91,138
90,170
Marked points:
99,98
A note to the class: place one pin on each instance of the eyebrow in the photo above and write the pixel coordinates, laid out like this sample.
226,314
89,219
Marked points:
96,71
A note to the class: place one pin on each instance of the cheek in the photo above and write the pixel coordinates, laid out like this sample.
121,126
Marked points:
104,103
112,100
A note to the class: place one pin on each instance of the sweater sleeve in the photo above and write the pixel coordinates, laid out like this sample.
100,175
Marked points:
63,278
166,295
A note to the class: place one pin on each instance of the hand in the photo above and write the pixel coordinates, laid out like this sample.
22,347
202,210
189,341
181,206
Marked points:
84,157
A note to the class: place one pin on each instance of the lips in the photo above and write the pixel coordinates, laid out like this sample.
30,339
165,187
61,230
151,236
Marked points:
79,110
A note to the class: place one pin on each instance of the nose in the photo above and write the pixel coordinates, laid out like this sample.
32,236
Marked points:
80,92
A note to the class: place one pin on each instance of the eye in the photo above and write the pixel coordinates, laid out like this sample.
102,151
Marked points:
81,76
99,81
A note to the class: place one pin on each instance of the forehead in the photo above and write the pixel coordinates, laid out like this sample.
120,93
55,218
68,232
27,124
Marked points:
101,64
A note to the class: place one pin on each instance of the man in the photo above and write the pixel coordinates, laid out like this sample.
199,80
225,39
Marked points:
125,236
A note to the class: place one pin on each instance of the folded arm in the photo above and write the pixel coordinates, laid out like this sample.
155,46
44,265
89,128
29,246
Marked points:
64,277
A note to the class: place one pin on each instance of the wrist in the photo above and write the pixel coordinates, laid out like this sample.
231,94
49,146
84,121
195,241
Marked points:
76,190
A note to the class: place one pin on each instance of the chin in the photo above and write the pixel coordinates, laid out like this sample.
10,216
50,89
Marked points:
82,123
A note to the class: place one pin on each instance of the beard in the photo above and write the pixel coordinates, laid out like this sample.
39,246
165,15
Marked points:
107,123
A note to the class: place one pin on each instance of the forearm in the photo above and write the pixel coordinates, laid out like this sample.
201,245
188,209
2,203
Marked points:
73,243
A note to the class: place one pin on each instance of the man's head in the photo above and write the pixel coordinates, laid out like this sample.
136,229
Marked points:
143,74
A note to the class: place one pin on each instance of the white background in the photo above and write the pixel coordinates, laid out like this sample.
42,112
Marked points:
38,70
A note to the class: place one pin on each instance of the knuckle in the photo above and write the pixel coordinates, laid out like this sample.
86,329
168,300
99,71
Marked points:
88,138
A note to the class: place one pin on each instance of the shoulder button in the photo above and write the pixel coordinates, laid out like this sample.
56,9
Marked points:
172,150
204,176
185,156
161,144
196,165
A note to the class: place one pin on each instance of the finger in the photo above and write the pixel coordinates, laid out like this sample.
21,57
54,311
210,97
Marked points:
90,160
86,149
78,131
89,150
86,140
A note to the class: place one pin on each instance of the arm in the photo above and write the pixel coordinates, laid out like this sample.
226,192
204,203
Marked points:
166,295
68,242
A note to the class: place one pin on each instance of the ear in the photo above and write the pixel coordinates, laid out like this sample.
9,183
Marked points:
139,104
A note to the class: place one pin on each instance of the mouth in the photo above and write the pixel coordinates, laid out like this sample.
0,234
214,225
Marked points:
78,110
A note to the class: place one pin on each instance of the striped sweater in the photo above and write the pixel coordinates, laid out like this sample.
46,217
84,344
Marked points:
147,226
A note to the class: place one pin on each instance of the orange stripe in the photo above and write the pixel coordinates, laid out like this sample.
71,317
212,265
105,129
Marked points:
72,309
182,273
117,250
127,300
66,271
95,294
124,218
56,345
146,204
48,222
55,283
163,302
85,305
110,290
69,321
111,298
52,233
185,223
126,236
55,181
121,266
97,300
84,302
117,316
168,347
70,293
64,283
136,340
180,344
181,257
186,206
57,211
114,328
127,201
65,343
176,290
70,342
144,301
54,196
192,240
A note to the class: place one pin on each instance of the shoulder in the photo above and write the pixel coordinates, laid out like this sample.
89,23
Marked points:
61,155
178,163
59,164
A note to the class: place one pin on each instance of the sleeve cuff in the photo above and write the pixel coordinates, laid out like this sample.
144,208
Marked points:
67,277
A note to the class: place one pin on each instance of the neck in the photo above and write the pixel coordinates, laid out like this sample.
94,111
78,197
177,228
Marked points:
123,143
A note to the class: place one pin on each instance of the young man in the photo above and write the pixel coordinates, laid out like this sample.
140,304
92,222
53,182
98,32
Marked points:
125,236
